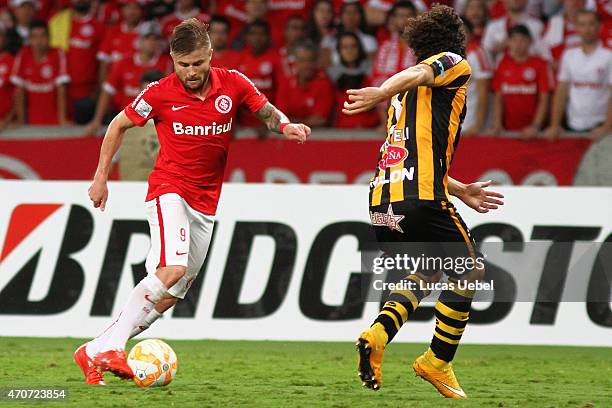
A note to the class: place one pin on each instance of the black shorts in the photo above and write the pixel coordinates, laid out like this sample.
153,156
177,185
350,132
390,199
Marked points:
425,229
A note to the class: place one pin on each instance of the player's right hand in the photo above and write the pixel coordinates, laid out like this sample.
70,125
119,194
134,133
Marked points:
98,194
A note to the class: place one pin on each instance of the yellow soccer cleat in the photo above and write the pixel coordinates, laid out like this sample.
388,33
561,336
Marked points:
442,378
370,349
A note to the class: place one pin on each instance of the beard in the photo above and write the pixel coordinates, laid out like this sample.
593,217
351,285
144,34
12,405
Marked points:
195,84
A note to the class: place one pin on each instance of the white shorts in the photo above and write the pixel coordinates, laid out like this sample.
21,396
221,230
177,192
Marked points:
180,236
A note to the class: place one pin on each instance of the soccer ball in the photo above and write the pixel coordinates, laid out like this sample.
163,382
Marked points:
153,362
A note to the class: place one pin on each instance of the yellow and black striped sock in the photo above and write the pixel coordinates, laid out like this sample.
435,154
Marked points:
400,305
452,314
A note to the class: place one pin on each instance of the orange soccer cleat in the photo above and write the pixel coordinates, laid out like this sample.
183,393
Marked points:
115,362
93,375
442,378
370,348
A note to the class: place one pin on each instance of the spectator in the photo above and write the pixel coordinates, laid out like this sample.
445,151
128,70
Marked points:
123,83
151,75
495,36
394,54
40,76
280,11
6,87
235,12
157,9
294,34
24,12
13,39
223,56
583,89
377,11
183,10
476,13
351,73
320,24
314,104
352,20
80,35
256,10
561,30
477,104
522,85
260,63
121,40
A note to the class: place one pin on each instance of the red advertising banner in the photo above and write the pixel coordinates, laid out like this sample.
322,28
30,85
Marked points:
507,161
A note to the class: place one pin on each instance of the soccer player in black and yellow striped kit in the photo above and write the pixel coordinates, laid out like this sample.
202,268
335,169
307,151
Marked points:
410,192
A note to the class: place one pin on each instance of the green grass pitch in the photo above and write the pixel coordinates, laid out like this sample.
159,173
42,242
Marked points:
309,374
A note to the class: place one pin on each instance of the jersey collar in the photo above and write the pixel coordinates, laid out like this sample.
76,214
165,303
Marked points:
215,85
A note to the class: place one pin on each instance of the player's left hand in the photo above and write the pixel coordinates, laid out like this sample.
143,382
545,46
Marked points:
297,131
362,100
475,196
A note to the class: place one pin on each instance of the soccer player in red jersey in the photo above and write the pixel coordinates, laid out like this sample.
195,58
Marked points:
193,110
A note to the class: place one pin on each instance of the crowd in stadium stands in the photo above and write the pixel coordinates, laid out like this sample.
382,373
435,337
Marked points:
538,66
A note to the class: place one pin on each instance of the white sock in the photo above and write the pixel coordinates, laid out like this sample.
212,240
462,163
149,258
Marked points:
94,345
146,323
142,300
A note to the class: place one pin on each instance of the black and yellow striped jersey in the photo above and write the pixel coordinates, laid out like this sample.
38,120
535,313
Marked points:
423,129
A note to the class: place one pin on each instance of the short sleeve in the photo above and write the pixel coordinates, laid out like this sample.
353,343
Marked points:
449,69
545,83
18,70
250,95
145,106
564,71
62,77
113,82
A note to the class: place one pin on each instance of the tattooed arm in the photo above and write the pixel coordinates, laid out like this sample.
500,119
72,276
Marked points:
274,118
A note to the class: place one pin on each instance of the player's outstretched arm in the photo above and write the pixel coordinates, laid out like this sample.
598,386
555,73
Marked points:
364,99
278,122
98,192
475,196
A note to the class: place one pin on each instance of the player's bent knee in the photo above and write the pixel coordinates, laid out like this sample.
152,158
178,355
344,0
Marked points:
169,275
430,278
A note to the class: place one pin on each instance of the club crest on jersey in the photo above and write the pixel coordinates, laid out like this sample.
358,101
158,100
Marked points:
223,104
388,219
393,156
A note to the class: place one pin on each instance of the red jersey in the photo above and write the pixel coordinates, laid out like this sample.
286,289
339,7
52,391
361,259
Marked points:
234,11
6,88
172,20
391,57
227,58
119,42
300,101
279,12
193,134
262,69
85,40
40,80
604,9
519,84
124,79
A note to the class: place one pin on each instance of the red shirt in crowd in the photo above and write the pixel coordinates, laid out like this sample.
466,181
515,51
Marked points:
40,80
316,98
227,58
119,42
392,56
6,87
368,119
279,12
172,20
519,84
85,39
194,134
262,69
236,14
124,79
